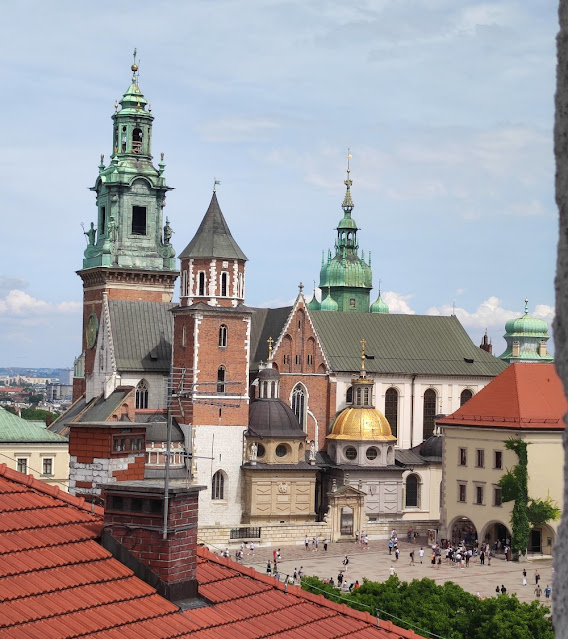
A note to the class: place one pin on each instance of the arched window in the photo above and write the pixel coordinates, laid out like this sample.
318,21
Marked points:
412,492
218,485
465,396
221,379
429,413
201,283
223,335
349,395
359,396
299,404
142,394
224,279
391,409
137,141
366,397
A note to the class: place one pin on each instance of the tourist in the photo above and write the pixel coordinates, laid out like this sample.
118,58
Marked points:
536,577
391,544
421,554
503,589
524,576
307,542
301,573
325,542
396,553
412,558
268,568
392,571
538,592
547,592
251,551
346,562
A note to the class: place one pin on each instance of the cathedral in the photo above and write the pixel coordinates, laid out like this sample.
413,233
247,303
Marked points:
320,412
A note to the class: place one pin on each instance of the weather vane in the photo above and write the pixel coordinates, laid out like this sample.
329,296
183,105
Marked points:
215,182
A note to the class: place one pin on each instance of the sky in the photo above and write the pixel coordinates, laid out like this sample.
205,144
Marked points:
447,108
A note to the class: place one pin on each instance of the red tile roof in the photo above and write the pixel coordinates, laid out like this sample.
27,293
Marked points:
57,582
524,396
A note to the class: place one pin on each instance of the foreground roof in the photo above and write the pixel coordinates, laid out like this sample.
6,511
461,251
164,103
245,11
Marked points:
525,396
407,344
57,582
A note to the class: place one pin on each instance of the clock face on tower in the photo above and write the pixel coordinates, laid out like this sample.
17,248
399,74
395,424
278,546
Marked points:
92,330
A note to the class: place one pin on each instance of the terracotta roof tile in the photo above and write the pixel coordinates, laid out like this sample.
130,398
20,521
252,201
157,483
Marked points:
524,396
57,582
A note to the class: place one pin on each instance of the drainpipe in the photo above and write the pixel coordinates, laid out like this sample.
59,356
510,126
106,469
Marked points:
412,411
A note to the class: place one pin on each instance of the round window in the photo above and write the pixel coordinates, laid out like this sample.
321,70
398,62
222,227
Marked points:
372,453
260,451
281,450
351,453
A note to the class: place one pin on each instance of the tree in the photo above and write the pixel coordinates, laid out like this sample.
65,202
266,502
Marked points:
527,512
446,610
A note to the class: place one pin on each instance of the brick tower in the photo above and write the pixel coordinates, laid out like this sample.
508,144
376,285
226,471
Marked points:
128,255
210,363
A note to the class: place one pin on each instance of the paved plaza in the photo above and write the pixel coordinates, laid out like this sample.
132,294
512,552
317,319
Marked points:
374,564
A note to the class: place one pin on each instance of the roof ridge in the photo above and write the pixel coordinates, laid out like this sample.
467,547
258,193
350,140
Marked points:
53,491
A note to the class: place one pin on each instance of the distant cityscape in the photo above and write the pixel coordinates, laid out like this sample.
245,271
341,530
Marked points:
46,389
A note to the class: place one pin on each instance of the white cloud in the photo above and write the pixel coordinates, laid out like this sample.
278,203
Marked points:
238,129
490,314
397,302
19,303
532,208
277,303
9,283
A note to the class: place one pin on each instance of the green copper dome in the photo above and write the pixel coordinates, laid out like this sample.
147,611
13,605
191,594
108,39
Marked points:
313,304
329,304
346,270
526,339
379,306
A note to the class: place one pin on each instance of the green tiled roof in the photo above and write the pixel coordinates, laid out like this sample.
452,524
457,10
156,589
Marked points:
213,237
17,430
142,333
407,344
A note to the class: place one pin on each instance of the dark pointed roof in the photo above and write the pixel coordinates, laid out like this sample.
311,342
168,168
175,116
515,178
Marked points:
213,237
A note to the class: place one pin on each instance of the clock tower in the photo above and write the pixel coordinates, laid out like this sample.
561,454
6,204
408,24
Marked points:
129,255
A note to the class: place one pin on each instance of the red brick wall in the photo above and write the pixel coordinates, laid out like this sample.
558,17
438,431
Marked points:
174,559
204,264
210,356
299,342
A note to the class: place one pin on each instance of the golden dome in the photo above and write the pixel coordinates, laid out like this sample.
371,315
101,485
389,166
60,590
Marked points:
363,424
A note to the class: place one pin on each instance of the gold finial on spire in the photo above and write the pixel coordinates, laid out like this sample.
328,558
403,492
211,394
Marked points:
134,66
349,156
270,341
347,201
363,342
526,305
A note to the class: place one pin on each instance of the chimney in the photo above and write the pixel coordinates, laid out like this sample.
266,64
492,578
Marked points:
133,533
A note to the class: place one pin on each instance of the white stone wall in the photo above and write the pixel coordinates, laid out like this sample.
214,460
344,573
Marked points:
99,471
157,387
410,422
219,448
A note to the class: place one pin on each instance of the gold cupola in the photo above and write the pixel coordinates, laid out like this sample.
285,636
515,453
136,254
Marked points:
361,433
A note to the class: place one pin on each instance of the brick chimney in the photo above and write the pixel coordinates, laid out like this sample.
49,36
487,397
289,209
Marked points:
133,533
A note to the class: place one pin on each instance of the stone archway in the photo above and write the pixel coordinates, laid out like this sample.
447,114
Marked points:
496,534
462,529
541,540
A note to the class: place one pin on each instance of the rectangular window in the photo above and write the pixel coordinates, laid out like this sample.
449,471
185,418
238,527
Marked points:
498,459
310,359
480,458
138,220
352,302
22,465
103,221
47,466
496,496
462,457
461,492
479,495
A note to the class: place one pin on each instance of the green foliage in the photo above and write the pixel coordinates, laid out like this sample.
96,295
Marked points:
39,415
446,610
540,511
515,486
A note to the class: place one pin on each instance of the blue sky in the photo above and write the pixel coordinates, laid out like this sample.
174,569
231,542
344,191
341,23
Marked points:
447,108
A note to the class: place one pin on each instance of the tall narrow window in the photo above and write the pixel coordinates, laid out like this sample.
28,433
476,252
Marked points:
22,465
222,335
201,283
365,397
47,468
391,409
137,141
412,491
218,486
224,279
142,394
465,396
102,225
138,220
429,413
299,404
349,395
221,379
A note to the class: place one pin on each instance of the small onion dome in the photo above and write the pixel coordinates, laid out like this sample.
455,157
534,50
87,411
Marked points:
329,304
362,424
273,418
432,447
380,306
527,326
313,304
